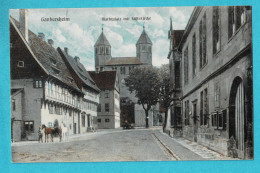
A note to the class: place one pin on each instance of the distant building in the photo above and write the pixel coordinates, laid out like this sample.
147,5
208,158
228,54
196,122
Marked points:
123,65
86,84
211,73
42,89
108,111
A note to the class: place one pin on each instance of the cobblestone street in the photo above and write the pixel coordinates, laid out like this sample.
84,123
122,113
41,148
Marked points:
114,145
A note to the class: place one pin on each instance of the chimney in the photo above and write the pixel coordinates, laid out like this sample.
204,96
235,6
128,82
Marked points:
24,23
66,50
50,41
76,58
41,36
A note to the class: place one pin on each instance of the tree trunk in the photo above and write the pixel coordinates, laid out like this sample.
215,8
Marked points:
146,118
165,118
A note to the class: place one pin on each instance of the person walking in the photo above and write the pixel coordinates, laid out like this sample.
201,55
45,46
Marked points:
40,134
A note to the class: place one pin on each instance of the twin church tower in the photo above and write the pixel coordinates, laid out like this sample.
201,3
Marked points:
103,53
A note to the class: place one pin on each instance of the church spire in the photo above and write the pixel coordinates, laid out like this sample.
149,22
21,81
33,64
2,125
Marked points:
170,23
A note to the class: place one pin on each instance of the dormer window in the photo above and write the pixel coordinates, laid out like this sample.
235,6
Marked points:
53,61
56,71
20,64
70,79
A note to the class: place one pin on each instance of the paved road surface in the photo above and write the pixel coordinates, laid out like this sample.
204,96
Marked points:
117,145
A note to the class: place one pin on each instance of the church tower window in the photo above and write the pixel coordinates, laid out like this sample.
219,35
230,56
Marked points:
96,50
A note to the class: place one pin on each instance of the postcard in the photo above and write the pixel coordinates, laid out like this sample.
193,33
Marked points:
131,84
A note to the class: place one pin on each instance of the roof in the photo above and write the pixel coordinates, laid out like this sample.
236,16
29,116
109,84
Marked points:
79,69
45,54
177,35
102,40
144,39
104,79
123,61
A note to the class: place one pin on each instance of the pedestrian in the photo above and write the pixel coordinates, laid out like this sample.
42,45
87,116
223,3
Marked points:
40,134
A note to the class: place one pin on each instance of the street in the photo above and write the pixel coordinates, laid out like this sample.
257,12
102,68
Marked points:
113,145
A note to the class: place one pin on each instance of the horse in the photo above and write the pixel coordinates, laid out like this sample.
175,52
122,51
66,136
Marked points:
48,131
64,130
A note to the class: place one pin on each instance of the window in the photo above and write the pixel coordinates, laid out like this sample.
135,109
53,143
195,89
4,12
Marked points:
53,61
149,49
194,70
122,70
186,67
49,124
50,109
107,50
28,126
96,50
203,41
107,120
20,64
204,107
83,120
217,95
106,93
177,75
107,107
99,120
99,108
101,50
201,108
218,119
236,18
13,104
216,29
37,84
58,110
187,119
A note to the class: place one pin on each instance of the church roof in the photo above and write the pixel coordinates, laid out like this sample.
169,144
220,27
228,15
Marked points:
144,39
104,79
123,61
102,40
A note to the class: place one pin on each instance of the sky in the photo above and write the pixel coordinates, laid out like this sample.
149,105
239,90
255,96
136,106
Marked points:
82,30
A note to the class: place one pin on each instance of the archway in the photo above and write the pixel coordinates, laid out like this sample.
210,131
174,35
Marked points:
237,115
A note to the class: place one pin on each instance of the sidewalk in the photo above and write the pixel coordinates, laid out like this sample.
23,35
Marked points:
188,150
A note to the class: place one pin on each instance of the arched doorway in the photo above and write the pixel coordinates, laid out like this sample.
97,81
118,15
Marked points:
237,115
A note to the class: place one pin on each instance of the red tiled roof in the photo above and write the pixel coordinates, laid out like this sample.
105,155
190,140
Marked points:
104,79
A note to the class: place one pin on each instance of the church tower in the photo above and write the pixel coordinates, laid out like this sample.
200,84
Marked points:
102,51
144,48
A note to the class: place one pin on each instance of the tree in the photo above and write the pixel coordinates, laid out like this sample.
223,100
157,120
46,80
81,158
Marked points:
145,83
165,92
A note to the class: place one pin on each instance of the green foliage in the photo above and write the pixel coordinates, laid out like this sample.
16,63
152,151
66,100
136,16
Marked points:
145,83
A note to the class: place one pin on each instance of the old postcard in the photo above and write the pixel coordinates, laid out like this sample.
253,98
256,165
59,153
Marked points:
131,84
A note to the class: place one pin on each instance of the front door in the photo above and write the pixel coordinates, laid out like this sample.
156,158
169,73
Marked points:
239,118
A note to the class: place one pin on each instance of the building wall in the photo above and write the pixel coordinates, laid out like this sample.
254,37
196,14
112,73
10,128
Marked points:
31,105
114,113
212,74
16,115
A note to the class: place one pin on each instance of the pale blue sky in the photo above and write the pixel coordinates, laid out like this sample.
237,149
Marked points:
84,27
